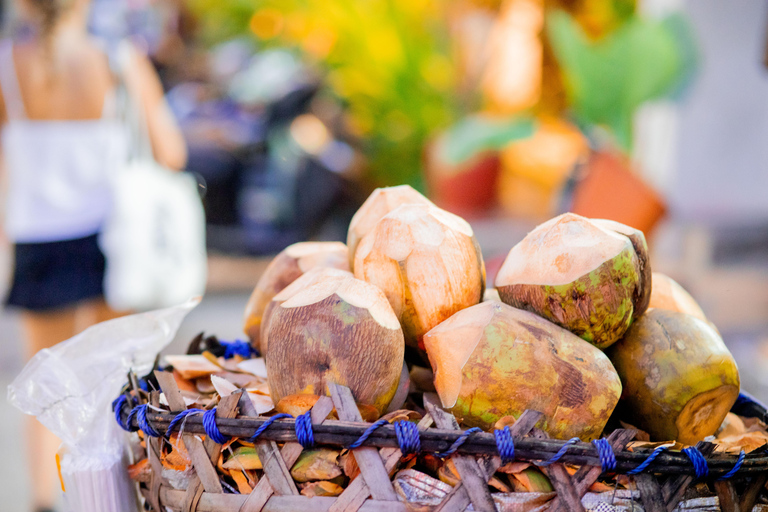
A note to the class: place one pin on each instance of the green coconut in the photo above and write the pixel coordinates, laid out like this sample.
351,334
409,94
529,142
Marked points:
492,360
580,275
679,378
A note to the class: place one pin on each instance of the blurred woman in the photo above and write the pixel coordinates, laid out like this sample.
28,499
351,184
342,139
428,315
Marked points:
60,137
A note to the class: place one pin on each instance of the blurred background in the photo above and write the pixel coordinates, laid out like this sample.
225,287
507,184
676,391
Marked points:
650,112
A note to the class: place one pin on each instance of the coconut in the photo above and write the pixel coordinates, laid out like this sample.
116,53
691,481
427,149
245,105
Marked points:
679,378
337,330
312,276
669,295
286,267
492,360
426,261
579,275
379,203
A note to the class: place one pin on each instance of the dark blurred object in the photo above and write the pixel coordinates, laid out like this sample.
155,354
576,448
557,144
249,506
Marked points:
610,190
747,406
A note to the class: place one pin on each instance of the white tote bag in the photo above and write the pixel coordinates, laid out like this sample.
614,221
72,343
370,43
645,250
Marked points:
154,237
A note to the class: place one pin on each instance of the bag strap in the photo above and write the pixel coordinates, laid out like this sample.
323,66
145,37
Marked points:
128,104
9,81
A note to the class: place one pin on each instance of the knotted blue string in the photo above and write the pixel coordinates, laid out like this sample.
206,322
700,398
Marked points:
458,442
698,461
141,420
607,457
237,348
179,418
505,445
118,405
560,452
367,433
407,437
647,462
211,429
304,432
735,468
264,426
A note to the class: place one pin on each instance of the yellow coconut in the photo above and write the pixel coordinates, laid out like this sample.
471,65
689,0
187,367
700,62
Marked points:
669,295
379,203
286,267
426,261
492,360
679,378
337,330
578,274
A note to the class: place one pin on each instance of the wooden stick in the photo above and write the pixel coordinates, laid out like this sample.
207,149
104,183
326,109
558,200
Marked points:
194,446
650,493
673,489
567,496
357,491
264,490
472,477
368,459
729,500
752,492
153,455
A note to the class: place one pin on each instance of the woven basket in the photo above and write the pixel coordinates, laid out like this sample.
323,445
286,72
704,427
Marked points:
660,477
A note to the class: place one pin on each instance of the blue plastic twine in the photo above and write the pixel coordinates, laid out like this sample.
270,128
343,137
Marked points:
407,437
264,426
211,429
735,468
118,405
367,433
505,445
304,430
647,462
458,442
560,452
179,418
237,348
698,461
141,420
607,457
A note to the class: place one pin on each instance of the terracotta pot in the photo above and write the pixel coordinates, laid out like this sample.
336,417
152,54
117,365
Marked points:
611,190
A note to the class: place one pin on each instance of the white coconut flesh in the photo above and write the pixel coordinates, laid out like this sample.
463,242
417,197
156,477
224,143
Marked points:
379,203
560,251
450,345
309,278
353,291
312,254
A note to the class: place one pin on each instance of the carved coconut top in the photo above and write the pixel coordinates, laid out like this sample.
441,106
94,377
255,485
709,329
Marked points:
560,251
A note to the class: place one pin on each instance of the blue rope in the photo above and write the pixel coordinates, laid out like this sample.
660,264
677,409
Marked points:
211,429
407,437
367,433
118,405
607,457
237,348
458,442
560,452
179,418
505,445
141,420
735,468
647,462
698,461
304,430
129,419
264,426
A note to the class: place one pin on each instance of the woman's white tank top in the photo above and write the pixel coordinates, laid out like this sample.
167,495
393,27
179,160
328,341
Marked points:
58,172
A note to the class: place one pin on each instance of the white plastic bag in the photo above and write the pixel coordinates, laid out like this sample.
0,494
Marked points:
70,388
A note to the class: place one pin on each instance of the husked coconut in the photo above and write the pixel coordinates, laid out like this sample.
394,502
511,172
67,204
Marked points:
286,267
426,261
667,294
312,276
492,360
379,203
337,330
679,378
578,274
